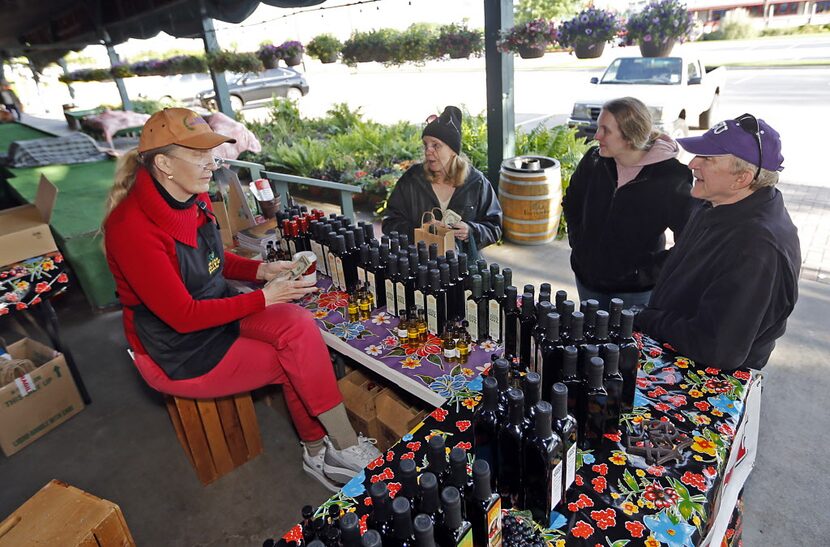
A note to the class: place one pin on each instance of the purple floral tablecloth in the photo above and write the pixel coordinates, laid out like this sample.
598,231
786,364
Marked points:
375,337
618,498
26,283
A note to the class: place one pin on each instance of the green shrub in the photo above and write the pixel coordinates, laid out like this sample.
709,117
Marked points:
737,25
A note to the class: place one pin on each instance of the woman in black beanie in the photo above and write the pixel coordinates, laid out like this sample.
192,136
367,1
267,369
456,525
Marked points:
445,180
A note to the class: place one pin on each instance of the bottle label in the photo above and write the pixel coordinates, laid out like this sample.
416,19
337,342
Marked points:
420,300
292,247
341,277
467,539
472,318
370,280
390,298
432,314
324,264
403,332
361,274
467,294
318,252
284,245
494,538
334,279
450,353
401,296
571,465
494,315
532,365
556,485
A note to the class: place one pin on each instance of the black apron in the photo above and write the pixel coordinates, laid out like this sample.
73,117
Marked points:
192,354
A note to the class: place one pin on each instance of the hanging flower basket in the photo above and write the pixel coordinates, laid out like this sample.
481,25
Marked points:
656,49
294,60
324,47
588,50
269,62
291,52
328,58
531,52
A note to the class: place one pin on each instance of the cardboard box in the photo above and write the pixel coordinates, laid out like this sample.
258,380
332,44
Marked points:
24,230
60,514
38,402
359,395
397,416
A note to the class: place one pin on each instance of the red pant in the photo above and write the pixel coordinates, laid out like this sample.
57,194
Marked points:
279,345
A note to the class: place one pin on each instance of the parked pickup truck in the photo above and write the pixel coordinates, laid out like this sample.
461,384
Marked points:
679,92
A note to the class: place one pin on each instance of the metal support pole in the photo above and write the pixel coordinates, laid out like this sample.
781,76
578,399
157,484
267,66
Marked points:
126,103
501,116
220,84
62,64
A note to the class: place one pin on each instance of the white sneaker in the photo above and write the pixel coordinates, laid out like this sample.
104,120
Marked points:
342,465
313,465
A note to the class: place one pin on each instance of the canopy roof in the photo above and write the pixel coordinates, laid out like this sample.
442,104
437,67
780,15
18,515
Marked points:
45,30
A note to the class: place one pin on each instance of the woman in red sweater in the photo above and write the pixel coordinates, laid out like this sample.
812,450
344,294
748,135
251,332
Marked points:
193,335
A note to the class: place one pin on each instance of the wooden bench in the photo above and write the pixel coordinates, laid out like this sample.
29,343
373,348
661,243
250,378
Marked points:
218,435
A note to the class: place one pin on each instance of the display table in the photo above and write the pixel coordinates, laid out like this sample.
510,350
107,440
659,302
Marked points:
618,497
28,286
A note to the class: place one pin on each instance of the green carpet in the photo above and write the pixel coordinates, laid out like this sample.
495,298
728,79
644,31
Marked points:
10,132
82,192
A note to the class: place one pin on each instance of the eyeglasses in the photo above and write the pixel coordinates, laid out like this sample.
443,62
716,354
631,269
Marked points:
749,123
211,165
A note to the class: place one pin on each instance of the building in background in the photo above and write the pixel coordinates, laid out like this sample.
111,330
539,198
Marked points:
765,14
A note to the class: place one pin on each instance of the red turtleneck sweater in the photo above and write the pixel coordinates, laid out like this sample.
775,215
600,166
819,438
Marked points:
140,236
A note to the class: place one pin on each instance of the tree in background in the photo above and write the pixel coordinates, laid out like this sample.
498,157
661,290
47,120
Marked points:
527,10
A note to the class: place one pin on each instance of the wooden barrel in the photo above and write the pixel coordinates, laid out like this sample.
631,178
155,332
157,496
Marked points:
530,192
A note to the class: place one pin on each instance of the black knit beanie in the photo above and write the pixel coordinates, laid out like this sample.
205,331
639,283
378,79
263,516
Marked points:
446,128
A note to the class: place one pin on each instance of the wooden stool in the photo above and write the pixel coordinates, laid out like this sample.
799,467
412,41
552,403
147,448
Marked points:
218,435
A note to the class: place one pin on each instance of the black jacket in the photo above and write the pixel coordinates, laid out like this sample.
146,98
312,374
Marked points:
475,201
729,284
617,236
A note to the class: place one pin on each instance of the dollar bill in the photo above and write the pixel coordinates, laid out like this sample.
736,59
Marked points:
298,267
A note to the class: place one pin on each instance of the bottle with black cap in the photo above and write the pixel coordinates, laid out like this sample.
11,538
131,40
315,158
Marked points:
501,372
484,508
376,277
453,530
589,310
586,353
532,388
350,258
570,377
433,251
551,350
380,518
458,476
486,424
307,524
613,382
592,408
391,291
447,283
564,425
423,253
371,538
408,477
405,286
495,308
482,265
369,233
599,333
531,289
629,360
512,313
614,313
314,242
331,536
528,323
455,292
543,308
476,307
546,288
542,466
331,259
510,443
558,299
436,303
428,501
339,245
421,287
437,458
402,530
350,530
394,243
468,284
363,263
424,532
508,276
577,329
494,271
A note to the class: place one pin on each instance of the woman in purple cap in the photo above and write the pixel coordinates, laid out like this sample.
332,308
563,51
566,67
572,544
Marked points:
622,197
446,180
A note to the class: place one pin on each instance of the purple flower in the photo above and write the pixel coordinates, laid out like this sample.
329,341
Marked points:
647,38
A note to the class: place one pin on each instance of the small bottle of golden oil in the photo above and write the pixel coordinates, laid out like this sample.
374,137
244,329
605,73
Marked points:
422,326
403,329
353,308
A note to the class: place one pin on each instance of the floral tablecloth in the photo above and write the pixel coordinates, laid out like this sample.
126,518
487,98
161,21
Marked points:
618,499
376,338
26,283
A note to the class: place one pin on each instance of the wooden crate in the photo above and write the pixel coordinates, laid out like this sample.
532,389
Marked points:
60,514
218,435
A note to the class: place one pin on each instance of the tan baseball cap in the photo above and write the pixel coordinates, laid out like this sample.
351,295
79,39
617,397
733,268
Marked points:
179,126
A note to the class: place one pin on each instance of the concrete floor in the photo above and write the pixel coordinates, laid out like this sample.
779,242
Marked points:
122,447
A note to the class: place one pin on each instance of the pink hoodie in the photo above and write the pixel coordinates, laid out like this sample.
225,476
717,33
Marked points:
663,148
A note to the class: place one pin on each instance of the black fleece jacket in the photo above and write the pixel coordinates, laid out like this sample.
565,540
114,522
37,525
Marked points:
475,201
617,235
730,283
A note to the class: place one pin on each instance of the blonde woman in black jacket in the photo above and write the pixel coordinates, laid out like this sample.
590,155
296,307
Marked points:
446,180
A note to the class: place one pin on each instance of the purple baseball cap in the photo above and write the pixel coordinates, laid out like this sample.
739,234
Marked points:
727,137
